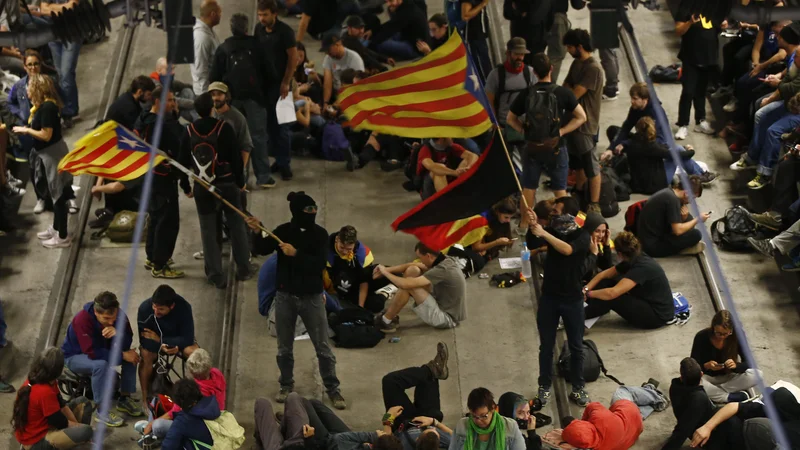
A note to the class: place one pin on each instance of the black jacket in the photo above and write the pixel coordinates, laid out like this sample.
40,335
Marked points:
693,408
171,136
300,274
265,71
408,20
227,150
372,59
125,110
534,25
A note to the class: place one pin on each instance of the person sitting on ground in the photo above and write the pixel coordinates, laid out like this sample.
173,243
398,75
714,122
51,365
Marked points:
189,427
484,427
438,34
41,418
87,352
348,272
498,236
597,226
184,93
726,378
642,295
437,287
665,226
354,39
692,409
166,325
640,107
757,427
398,36
515,406
601,428
439,162
426,404
309,82
337,59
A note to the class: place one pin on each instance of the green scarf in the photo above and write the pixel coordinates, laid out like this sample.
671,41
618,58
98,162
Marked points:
498,427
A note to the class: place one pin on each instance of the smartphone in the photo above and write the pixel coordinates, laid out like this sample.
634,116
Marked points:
709,213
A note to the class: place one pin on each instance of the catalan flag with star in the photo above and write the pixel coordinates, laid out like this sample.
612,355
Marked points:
110,151
438,95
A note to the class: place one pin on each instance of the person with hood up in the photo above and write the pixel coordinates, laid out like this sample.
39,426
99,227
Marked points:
189,425
642,295
597,227
301,261
601,428
515,406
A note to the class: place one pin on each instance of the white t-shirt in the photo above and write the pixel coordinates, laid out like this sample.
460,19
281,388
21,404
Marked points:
350,60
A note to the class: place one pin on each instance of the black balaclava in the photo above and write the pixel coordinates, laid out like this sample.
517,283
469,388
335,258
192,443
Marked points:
297,202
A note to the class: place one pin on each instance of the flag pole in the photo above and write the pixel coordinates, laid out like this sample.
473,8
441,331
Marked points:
213,192
511,163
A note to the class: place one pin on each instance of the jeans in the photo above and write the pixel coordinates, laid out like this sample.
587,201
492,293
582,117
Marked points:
280,139
98,368
646,398
690,166
270,435
311,309
636,311
161,427
610,63
784,186
398,49
785,242
479,49
694,81
65,58
162,233
557,167
256,116
552,308
765,148
426,393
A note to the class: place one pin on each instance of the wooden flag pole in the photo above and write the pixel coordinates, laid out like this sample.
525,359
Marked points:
499,132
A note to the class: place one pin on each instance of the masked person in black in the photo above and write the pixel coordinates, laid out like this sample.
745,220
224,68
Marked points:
301,261
162,233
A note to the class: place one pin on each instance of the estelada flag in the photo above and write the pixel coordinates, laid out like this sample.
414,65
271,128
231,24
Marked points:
453,215
439,95
110,151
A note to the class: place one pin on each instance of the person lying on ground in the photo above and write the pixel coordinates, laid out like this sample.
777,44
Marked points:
601,428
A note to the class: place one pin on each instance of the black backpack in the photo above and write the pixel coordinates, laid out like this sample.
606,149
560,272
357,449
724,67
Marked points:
731,231
592,363
668,74
501,83
204,154
543,119
242,75
355,328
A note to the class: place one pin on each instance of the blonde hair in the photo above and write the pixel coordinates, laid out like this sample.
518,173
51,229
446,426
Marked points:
199,364
42,87
646,129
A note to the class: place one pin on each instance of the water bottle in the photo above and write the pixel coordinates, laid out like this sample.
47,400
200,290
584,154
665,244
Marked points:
525,257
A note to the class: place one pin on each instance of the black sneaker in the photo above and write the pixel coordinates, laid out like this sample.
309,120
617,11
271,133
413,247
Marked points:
438,364
610,94
763,246
270,183
652,382
337,400
350,159
286,173
381,325
706,178
580,397
543,395
274,168
283,394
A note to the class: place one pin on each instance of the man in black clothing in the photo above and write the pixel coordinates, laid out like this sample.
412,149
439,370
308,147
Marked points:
665,226
409,22
477,34
349,269
322,18
301,262
163,209
569,256
127,107
210,148
354,39
241,63
530,20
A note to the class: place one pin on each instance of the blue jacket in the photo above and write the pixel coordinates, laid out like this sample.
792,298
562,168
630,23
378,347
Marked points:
85,336
176,328
18,102
189,425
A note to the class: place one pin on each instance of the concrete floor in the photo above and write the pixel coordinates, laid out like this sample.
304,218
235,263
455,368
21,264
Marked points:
495,347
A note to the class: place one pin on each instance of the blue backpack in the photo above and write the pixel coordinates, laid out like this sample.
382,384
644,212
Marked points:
683,310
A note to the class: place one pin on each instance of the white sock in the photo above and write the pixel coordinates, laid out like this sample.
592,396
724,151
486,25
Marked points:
386,321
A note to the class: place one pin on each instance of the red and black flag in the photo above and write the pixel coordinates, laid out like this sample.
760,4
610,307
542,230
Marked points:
453,215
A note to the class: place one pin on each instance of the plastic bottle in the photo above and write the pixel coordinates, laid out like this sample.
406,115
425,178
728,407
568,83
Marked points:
525,256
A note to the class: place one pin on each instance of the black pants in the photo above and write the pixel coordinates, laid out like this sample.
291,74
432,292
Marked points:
735,60
121,201
61,215
162,232
785,187
426,393
636,311
324,421
694,80
670,244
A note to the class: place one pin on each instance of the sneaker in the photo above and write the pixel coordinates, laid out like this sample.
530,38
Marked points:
742,164
731,106
706,178
286,173
383,326
274,168
13,181
763,246
149,441
703,127
350,159
46,234
39,208
696,249
67,122
793,266
57,242
149,264
580,397
337,400
543,395
251,272
6,388
768,219
722,92
110,419
198,255
13,191
73,206
652,382
758,182
129,406
682,133
438,364
270,183
610,94
167,272
387,291
283,394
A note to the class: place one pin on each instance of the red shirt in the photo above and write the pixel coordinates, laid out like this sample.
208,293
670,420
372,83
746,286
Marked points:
616,428
425,152
43,404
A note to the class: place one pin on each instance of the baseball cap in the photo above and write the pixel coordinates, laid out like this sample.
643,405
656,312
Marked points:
518,45
355,22
218,86
327,42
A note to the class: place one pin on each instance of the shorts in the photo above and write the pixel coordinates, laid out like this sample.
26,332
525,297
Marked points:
431,314
556,166
582,154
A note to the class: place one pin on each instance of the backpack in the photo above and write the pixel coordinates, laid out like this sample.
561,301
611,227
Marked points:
683,310
355,328
731,231
621,189
334,142
123,225
204,153
226,433
161,404
632,216
592,363
501,83
542,119
242,75
453,11
668,74
609,207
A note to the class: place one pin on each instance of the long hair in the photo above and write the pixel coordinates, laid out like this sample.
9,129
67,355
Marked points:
42,87
45,369
730,349
646,129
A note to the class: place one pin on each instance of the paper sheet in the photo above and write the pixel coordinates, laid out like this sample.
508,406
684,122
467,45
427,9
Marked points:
589,323
511,263
285,110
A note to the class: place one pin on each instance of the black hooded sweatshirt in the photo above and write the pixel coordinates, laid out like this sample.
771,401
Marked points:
171,135
693,408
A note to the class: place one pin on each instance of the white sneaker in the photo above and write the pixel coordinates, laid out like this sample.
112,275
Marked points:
198,255
742,164
387,291
11,180
46,234
13,190
57,242
703,127
682,133
73,206
39,208
731,106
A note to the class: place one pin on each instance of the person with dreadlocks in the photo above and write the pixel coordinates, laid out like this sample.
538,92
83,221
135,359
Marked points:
484,427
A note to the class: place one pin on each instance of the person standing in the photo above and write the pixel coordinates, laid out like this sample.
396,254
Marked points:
278,41
474,13
65,59
205,44
302,257
225,111
507,80
556,50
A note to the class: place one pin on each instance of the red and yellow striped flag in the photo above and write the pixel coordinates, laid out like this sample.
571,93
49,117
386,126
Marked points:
439,95
110,151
